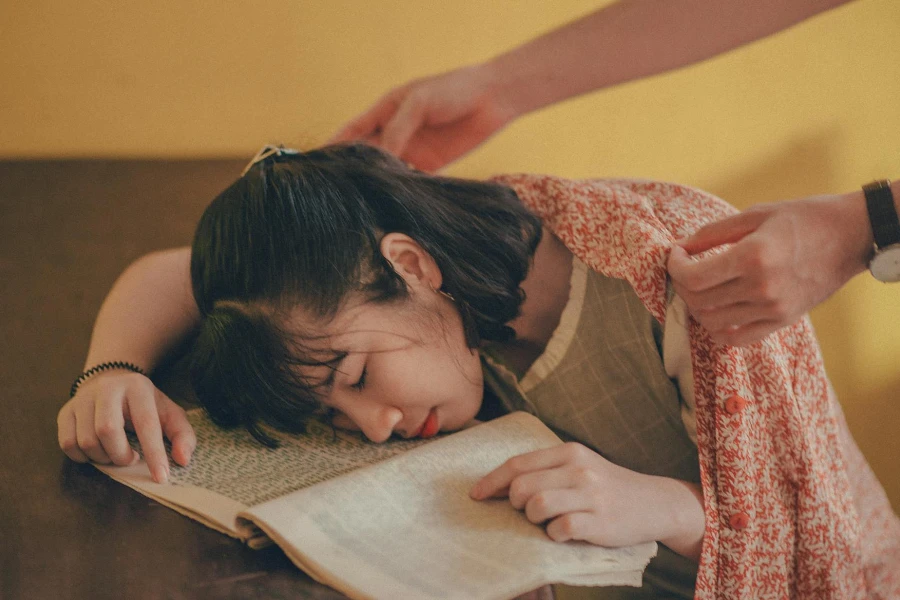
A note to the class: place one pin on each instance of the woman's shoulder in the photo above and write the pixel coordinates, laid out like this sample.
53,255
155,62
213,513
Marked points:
533,184
676,206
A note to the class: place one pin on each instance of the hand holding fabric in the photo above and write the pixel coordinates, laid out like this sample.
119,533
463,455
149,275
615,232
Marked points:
786,258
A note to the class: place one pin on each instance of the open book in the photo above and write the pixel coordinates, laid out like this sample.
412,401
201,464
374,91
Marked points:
389,520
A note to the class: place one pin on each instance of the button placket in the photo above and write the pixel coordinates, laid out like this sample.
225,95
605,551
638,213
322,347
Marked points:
734,405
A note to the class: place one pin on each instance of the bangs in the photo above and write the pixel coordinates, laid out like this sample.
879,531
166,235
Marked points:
247,369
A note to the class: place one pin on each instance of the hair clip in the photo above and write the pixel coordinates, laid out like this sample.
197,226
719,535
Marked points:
267,151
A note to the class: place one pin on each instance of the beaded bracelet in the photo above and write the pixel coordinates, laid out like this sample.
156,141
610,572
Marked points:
115,364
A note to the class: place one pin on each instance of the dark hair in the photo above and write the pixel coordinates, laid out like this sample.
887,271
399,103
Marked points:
304,230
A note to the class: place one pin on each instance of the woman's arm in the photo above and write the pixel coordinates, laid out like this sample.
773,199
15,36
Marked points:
148,312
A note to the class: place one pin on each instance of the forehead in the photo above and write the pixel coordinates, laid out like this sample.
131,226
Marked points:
359,327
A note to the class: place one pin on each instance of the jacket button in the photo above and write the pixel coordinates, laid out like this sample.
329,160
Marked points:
739,520
735,404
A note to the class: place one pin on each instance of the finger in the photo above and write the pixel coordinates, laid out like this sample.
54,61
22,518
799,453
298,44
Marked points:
496,483
145,419
109,424
65,433
735,316
373,139
727,231
525,486
695,275
87,435
408,118
570,526
177,429
734,292
748,334
549,504
369,122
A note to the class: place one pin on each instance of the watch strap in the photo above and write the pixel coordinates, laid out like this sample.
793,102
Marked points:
882,213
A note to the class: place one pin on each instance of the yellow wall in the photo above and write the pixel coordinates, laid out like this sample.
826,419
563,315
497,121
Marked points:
815,109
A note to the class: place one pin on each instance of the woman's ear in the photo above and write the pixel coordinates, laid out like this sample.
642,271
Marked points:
411,260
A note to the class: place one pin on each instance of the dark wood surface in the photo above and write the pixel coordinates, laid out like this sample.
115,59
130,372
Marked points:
67,229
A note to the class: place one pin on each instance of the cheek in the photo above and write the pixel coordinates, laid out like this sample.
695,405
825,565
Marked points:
429,376
459,368
459,387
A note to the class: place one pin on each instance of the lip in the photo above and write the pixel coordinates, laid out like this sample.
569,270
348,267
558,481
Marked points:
430,426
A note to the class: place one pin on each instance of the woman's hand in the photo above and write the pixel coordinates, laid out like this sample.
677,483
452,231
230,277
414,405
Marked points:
433,121
92,424
580,495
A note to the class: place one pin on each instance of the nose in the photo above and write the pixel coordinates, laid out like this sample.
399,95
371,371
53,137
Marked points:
376,421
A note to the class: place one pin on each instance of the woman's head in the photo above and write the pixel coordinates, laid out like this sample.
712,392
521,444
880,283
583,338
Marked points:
305,249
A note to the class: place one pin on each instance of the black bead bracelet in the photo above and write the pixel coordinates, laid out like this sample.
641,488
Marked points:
115,364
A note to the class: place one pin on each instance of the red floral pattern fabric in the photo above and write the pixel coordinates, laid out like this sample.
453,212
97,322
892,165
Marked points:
792,508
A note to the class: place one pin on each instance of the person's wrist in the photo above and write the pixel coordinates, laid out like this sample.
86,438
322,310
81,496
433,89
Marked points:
509,87
99,369
853,231
684,522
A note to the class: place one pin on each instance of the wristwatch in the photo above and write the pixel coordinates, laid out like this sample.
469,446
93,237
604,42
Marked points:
885,264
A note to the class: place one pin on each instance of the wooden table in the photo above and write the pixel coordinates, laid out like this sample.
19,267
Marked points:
67,229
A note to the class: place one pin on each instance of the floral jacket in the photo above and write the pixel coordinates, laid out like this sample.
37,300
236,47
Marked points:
792,508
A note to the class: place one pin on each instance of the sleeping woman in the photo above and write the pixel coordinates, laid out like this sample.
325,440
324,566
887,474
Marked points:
406,304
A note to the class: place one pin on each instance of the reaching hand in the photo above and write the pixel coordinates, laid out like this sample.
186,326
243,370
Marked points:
787,257
580,495
433,121
92,424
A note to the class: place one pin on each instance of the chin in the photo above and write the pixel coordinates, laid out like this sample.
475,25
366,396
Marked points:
459,419
473,411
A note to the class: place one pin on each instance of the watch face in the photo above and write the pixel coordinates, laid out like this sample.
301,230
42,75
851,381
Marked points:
885,265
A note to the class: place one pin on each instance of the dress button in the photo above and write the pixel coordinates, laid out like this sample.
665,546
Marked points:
739,520
735,404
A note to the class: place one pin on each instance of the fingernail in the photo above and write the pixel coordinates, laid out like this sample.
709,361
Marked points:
184,457
475,493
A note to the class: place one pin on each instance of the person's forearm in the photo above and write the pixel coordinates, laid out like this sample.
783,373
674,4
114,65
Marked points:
633,39
149,310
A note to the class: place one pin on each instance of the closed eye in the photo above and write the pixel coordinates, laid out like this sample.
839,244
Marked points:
359,385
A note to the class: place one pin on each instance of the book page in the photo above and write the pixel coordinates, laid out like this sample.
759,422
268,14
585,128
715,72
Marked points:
231,471
406,527
233,464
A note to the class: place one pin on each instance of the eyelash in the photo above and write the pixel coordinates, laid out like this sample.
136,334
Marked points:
359,385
